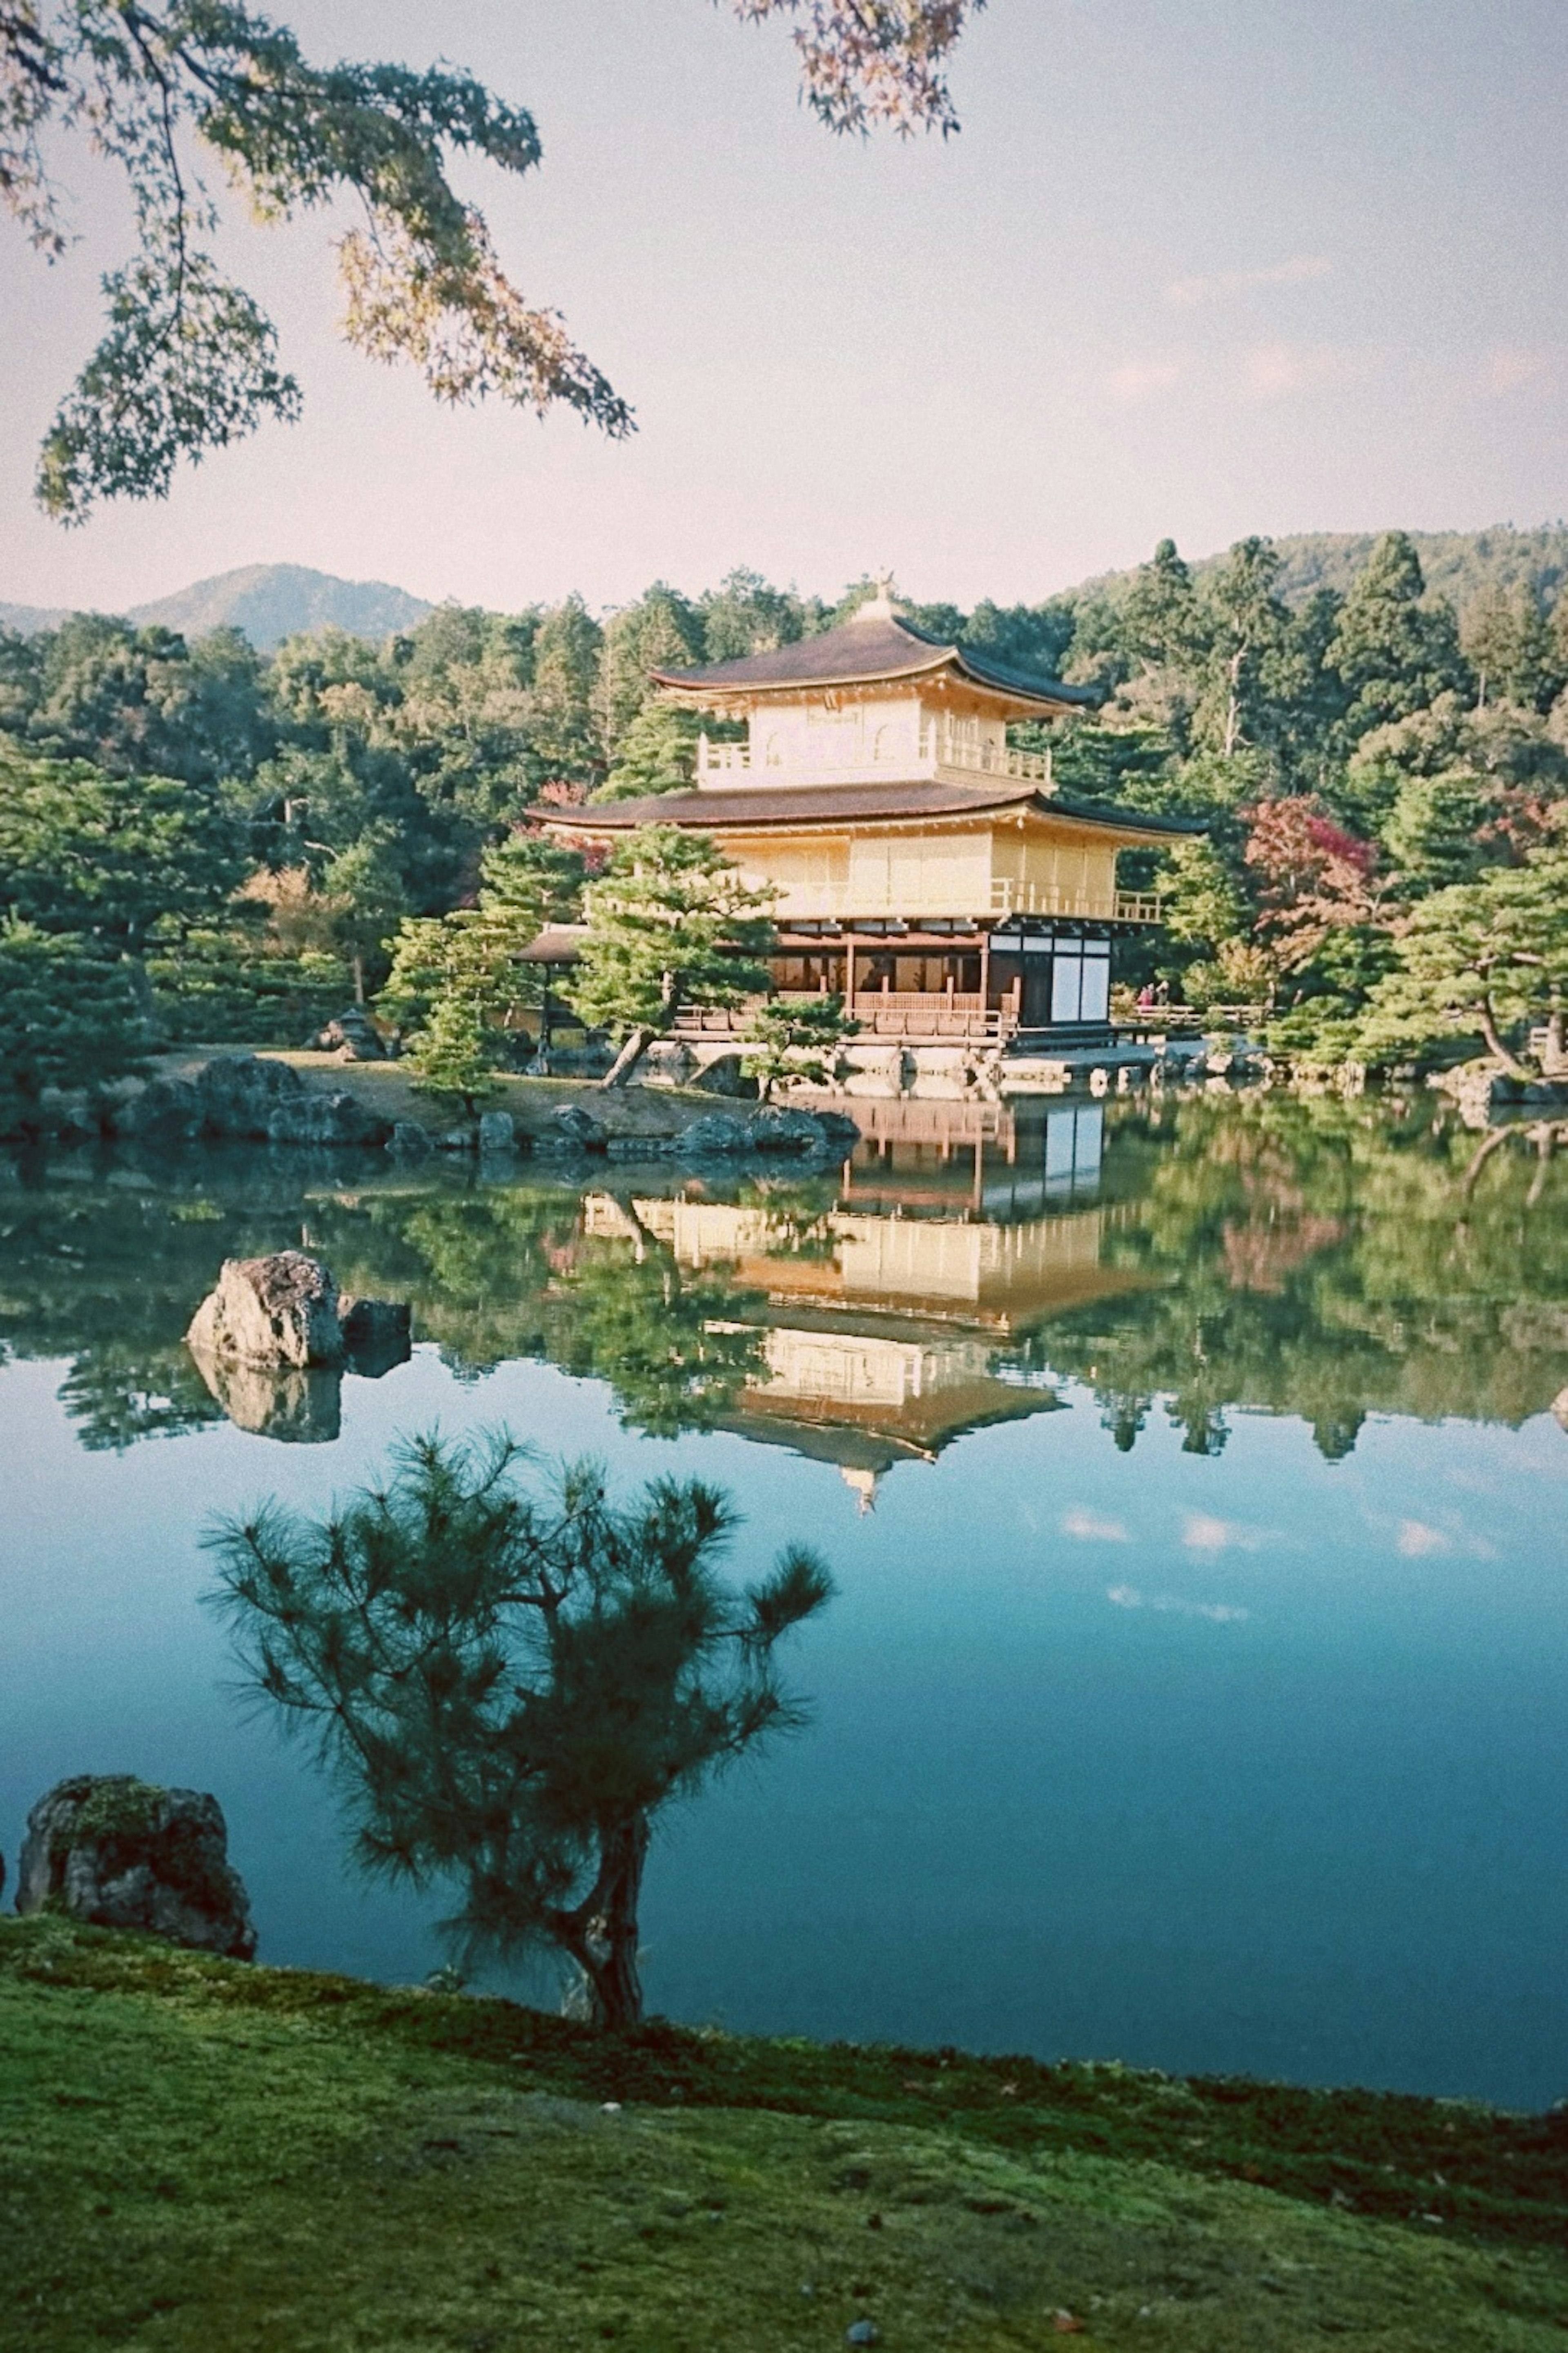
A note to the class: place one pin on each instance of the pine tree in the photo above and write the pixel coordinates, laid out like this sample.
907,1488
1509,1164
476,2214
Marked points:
69,1017
1393,652
1484,958
451,1055
670,925
1431,833
513,1682
795,1039
657,754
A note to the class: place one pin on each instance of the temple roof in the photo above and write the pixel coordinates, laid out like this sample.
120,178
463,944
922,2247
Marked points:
758,805
874,645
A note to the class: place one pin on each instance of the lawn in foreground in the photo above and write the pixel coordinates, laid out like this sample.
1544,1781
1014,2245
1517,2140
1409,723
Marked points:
196,2154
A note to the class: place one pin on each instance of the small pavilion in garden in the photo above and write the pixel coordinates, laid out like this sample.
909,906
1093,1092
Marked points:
920,865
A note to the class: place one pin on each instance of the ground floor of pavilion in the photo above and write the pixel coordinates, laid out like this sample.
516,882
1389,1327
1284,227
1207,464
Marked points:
985,983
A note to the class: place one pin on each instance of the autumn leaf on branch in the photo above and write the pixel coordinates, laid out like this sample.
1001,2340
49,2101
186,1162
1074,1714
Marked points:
865,62
189,361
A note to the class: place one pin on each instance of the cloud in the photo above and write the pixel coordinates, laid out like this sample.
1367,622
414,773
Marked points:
1417,1540
1509,367
1138,380
1186,293
1270,371
1079,1523
1200,1533
1218,1613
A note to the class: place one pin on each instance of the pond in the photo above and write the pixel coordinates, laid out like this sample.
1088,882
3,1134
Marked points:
1196,1685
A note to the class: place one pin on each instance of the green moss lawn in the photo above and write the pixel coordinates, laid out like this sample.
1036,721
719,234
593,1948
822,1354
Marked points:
201,2155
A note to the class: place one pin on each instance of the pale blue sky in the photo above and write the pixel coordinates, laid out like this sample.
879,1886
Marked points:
1201,267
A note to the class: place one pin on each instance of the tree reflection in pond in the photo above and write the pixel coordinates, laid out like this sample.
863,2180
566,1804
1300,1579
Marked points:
1325,1260
511,1679
1318,1258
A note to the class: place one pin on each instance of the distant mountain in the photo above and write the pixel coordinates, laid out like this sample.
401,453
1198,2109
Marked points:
1458,563
271,601
267,601
26,618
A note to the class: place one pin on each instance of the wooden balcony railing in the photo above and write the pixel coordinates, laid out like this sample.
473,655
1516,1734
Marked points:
933,752
1010,897
882,1013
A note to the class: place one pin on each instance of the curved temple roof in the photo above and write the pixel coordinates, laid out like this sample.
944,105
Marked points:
872,647
758,807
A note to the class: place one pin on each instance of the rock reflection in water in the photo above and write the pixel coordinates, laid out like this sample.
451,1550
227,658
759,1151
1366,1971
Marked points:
301,1404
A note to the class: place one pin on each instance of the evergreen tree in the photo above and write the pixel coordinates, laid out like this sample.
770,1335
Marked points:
1507,641
364,889
513,1682
1433,831
563,723
794,1039
1162,621
1485,958
657,754
1202,905
670,925
661,631
1246,624
107,857
744,615
68,1018
450,1053
1393,652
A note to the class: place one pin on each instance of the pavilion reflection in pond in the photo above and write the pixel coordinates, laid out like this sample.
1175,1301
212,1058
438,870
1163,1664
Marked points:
957,1227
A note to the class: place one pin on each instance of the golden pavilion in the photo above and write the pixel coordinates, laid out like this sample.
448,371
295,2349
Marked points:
920,865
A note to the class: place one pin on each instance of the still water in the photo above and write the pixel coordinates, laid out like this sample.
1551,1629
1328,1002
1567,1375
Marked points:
1195,1688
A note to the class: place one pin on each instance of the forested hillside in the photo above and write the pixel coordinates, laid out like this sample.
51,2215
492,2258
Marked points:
1458,566
1384,775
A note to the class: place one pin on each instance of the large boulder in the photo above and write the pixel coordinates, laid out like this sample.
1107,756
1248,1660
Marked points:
377,1333
498,1132
123,1853
274,1339
716,1132
571,1129
326,1119
240,1094
724,1076
779,1128
281,1310
409,1141
164,1112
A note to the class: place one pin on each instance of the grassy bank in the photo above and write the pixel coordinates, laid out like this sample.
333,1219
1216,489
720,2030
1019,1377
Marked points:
198,2155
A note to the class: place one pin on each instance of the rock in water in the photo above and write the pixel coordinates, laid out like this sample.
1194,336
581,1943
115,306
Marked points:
409,1141
273,1340
715,1131
377,1333
123,1853
281,1310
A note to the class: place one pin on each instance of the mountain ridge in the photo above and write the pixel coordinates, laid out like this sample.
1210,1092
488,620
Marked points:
270,602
